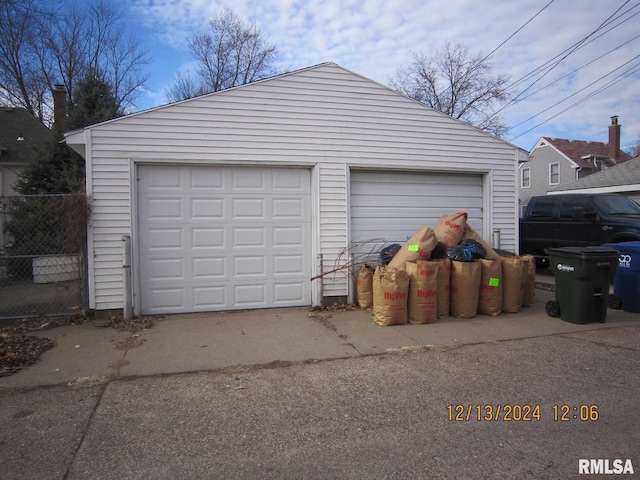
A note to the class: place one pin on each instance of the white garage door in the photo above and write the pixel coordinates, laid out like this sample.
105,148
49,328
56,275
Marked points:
389,207
223,238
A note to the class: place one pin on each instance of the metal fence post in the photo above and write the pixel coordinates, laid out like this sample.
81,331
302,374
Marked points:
127,310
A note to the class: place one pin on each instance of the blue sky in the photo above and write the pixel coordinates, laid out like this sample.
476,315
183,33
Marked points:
376,37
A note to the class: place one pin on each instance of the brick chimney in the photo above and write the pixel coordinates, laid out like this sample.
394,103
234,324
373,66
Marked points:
59,107
614,139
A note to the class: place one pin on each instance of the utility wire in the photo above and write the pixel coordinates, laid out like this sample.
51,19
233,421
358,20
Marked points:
583,42
571,50
579,45
618,79
581,67
576,92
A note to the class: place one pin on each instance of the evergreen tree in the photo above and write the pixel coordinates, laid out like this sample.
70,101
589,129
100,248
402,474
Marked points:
93,101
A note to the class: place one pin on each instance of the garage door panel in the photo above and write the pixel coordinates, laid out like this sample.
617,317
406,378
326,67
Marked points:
289,236
287,292
251,295
209,297
288,265
288,181
164,209
208,268
389,207
206,180
289,208
249,179
207,209
248,208
249,237
206,238
166,299
223,246
162,181
244,266
164,238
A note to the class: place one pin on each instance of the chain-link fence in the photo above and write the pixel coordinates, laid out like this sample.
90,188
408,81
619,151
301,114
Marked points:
42,255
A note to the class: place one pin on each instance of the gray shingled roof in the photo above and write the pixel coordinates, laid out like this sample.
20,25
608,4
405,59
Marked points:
18,122
626,173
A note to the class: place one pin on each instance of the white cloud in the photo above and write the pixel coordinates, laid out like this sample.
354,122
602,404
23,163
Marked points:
376,37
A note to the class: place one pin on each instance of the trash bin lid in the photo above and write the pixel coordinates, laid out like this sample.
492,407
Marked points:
625,247
585,252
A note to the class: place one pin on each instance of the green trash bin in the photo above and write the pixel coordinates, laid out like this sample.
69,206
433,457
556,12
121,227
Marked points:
583,276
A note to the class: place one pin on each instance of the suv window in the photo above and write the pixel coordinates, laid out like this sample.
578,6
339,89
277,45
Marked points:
615,205
570,204
543,207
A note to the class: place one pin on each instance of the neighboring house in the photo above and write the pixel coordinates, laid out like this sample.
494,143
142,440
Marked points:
623,178
555,162
22,137
237,199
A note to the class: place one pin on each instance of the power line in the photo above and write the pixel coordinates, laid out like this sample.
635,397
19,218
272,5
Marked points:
581,67
580,44
571,50
575,93
613,82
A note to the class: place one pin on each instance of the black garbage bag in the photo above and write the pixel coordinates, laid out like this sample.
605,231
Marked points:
466,251
387,253
439,252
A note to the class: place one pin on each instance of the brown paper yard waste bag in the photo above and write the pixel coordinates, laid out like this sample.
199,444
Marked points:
530,288
423,291
490,301
418,247
465,288
390,291
450,228
444,285
514,278
470,233
364,286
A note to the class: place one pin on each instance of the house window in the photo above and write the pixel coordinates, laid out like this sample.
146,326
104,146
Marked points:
554,174
525,178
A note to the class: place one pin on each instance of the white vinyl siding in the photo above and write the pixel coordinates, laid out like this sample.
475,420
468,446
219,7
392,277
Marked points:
323,117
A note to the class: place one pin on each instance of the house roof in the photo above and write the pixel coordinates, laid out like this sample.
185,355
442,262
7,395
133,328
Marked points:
621,175
16,123
76,139
576,150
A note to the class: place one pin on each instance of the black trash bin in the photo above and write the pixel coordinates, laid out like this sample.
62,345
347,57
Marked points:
583,276
626,285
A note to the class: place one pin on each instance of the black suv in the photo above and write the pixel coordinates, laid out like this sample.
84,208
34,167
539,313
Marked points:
577,220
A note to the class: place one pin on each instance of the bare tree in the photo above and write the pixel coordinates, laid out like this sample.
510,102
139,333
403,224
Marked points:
455,83
21,81
47,43
230,53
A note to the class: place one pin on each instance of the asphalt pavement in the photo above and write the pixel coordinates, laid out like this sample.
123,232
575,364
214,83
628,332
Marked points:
289,393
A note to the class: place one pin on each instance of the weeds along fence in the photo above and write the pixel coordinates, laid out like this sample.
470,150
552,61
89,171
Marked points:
43,255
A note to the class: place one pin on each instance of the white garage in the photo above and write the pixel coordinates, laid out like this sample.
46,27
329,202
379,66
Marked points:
223,238
237,199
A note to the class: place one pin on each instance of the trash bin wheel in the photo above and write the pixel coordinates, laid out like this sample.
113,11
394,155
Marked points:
553,308
615,301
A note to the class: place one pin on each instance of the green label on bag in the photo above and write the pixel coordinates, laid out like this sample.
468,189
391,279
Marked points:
494,282
413,248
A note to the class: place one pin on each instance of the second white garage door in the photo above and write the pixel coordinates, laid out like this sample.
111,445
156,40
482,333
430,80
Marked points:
223,238
389,207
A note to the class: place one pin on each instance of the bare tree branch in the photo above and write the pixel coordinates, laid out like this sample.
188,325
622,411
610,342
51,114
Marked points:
457,84
231,53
